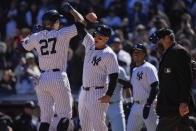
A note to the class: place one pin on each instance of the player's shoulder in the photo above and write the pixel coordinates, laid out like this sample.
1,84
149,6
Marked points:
70,27
149,66
39,34
109,52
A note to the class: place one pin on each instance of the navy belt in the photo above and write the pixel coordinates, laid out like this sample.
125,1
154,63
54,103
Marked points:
88,88
54,70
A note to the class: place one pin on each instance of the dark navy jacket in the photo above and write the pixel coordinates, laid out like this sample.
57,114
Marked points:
175,77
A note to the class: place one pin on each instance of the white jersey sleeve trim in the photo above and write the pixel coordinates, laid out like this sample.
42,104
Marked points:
152,74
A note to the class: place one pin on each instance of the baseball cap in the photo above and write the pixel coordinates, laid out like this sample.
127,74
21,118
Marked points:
29,55
29,104
139,46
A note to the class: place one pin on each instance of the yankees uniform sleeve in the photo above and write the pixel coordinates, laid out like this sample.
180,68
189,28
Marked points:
29,44
112,64
88,40
152,75
112,71
153,80
68,32
122,75
123,78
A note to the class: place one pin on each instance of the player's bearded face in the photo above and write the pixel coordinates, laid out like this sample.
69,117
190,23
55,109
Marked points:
160,46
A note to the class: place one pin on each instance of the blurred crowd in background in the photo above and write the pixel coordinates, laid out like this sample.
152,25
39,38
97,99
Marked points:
132,21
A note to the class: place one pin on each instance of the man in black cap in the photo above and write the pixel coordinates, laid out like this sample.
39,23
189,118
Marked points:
175,99
25,121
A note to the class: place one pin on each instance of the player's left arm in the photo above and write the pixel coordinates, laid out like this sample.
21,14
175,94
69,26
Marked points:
153,79
112,84
153,92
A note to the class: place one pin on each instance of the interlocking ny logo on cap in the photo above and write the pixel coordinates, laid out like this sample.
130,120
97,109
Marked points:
96,60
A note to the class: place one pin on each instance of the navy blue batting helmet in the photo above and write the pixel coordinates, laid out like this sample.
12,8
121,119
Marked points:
50,17
103,30
140,46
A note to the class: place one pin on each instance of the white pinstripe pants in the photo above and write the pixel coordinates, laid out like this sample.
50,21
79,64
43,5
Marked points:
92,113
54,88
136,120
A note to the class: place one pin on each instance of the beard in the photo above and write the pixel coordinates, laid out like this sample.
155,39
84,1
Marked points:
160,47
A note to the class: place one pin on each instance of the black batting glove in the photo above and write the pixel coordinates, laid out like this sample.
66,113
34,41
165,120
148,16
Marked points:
66,7
146,111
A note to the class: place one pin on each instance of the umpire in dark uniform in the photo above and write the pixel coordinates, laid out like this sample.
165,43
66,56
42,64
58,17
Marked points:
175,99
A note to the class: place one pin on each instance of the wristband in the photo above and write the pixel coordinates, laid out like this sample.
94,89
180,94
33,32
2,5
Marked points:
67,7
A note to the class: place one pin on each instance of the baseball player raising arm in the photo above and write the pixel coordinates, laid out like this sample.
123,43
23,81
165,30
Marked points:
51,45
99,63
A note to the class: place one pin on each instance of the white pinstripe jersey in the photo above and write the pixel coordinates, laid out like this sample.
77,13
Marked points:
52,47
117,95
142,77
98,64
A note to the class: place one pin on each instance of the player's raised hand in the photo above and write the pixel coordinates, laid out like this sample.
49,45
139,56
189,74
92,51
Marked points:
92,17
104,99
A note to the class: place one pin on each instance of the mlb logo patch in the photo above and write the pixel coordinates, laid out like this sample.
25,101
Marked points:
167,70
